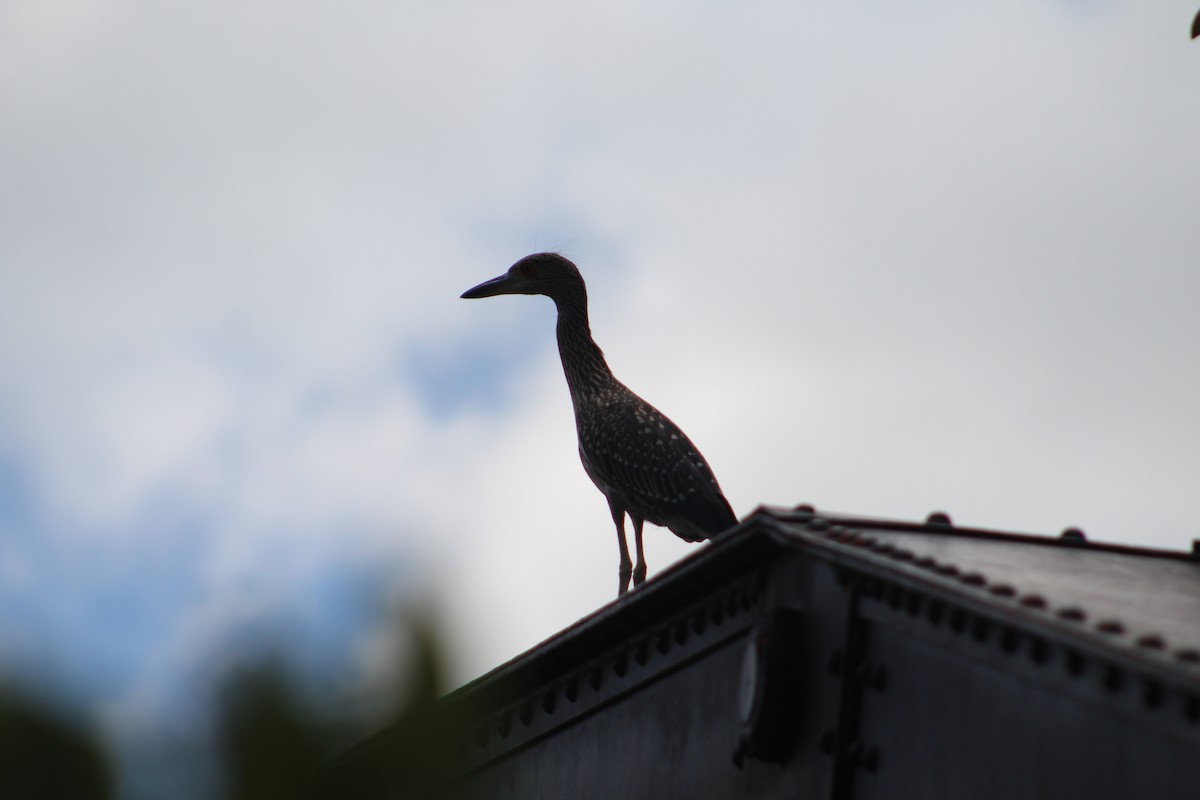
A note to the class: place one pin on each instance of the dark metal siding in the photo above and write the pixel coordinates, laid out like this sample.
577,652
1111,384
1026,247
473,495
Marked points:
958,722
931,664
670,738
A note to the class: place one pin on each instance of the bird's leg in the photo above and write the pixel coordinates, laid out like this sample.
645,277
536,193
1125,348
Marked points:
625,569
639,572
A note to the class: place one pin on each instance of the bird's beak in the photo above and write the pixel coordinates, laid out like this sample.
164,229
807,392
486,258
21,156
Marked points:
505,284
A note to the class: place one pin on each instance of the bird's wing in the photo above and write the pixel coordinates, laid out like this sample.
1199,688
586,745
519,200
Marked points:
639,452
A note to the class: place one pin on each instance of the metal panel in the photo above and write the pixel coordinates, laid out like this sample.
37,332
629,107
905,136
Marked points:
931,662
974,721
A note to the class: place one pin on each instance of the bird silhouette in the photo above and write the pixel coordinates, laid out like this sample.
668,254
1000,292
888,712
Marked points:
642,462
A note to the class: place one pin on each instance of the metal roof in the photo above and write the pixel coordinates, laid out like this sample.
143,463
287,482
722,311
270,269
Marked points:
1142,601
1118,595
1112,626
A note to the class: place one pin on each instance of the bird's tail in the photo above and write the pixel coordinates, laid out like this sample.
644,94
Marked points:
709,516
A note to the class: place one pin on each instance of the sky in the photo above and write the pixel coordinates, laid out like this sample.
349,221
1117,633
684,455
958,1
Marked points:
885,258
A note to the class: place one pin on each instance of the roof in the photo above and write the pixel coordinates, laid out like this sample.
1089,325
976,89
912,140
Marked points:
1116,595
1132,612
1143,602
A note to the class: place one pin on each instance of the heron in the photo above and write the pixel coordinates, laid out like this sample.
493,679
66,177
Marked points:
639,459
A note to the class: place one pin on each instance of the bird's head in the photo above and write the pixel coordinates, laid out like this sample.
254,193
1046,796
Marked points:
541,273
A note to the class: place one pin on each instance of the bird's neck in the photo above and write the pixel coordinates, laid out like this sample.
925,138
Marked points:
583,361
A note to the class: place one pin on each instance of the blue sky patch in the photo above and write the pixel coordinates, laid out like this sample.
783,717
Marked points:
478,373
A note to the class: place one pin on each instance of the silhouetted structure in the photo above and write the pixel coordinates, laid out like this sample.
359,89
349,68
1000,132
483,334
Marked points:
818,656
642,461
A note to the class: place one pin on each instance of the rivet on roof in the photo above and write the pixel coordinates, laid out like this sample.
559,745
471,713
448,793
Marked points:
938,519
1073,614
1073,536
1188,655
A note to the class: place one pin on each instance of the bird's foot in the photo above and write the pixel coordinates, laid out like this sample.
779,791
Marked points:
639,575
623,576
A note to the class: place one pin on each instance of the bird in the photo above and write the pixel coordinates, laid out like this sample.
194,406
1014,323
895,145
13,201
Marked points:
639,459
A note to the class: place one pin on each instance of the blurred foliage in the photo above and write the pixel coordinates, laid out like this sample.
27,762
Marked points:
415,754
272,742
44,756
271,746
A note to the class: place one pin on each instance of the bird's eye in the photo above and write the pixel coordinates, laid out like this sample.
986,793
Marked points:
527,270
